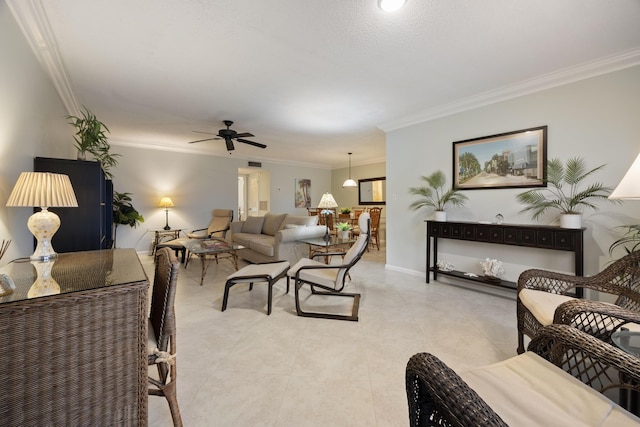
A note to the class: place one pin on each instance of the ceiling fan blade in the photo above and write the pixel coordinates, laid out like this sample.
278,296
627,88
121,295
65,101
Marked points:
201,140
244,135
206,133
230,146
256,144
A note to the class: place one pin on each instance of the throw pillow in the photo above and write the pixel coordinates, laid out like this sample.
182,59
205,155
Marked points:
272,223
253,225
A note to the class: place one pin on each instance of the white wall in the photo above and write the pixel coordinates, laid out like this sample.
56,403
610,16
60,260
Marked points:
32,124
197,184
595,118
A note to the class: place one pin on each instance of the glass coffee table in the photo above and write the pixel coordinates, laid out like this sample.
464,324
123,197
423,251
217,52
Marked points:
629,342
318,245
216,248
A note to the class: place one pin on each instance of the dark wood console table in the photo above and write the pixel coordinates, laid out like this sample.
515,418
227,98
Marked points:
533,236
74,350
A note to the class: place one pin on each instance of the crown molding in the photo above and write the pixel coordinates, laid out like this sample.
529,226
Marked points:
609,64
33,21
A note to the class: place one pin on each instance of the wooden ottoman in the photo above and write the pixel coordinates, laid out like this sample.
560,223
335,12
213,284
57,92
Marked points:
269,272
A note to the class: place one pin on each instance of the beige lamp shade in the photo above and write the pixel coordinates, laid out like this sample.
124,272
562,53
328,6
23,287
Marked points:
42,189
166,202
46,190
629,187
327,201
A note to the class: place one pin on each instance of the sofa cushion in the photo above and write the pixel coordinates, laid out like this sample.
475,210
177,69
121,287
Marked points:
244,238
304,221
263,245
540,384
272,223
253,225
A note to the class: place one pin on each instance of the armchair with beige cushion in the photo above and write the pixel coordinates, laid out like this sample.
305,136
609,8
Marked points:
220,223
546,297
218,227
566,378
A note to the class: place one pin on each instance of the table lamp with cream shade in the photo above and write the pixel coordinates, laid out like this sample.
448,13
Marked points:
166,203
327,202
45,190
629,187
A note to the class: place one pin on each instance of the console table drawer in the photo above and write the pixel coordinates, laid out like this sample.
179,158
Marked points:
544,239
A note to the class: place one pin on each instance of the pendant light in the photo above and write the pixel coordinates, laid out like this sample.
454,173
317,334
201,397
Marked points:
349,182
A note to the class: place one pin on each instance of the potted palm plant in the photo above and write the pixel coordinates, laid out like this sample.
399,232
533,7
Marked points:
91,138
565,192
435,196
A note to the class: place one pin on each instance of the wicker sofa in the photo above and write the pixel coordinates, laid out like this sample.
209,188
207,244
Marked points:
274,237
559,381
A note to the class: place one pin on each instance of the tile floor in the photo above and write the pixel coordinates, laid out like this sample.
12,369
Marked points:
244,368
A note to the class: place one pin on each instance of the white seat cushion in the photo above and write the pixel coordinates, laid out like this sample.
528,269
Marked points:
542,304
322,276
270,269
526,390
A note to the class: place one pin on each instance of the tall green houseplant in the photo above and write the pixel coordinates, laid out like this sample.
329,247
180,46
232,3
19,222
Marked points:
91,137
124,213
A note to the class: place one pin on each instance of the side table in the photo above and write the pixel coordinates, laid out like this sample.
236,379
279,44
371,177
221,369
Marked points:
162,235
629,342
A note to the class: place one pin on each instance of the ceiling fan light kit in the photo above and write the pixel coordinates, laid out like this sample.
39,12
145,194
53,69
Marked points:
391,5
349,183
229,135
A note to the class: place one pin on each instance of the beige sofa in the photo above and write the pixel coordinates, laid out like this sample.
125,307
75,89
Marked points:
274,237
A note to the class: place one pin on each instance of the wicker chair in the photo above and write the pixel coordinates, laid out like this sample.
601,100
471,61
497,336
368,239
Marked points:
330,278
543,297
162,331
438,396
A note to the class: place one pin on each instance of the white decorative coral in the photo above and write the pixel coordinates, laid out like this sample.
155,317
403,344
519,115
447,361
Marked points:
492,267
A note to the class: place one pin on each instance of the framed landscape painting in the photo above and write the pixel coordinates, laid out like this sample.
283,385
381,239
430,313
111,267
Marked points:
302,198
508,160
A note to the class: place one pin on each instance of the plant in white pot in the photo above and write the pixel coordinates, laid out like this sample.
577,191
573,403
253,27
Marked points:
343,230
436,196
566,192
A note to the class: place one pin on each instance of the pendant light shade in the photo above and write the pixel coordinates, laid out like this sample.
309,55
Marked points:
349,183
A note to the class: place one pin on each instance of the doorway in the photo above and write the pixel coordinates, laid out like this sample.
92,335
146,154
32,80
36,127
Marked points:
254,192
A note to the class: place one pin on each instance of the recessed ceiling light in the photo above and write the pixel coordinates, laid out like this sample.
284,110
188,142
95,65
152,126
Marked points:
391,5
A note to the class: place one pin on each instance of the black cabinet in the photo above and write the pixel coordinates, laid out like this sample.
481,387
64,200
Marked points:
535,236
87,227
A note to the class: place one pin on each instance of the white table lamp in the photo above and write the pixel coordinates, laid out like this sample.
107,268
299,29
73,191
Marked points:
45,190
629,187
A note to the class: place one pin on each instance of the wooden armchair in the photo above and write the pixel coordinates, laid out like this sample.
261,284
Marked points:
545,297
220,224
538,387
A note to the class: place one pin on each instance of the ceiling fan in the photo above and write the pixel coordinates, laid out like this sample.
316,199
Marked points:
229,135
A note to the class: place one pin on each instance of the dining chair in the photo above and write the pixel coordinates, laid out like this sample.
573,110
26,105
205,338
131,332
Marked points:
330,278
375,214
161,346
